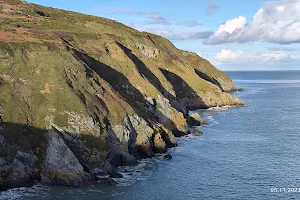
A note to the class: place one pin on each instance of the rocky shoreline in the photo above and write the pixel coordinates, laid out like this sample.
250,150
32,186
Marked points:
62,167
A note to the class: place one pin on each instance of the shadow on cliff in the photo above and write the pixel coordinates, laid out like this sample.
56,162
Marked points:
128,92
24,136
209,79
150,77
184,92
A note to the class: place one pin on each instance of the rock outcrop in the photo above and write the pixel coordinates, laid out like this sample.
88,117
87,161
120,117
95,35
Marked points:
61,167
194,119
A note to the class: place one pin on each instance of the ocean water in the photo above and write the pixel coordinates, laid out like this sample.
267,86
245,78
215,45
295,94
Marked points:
245,153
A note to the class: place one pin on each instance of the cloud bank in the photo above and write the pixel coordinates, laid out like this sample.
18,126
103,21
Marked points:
229,57
274,22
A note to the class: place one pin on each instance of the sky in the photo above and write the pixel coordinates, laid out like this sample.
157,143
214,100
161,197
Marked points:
232,34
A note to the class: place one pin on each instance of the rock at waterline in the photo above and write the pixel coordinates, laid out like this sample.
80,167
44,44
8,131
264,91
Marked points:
195,120
197,132
61,167
168,156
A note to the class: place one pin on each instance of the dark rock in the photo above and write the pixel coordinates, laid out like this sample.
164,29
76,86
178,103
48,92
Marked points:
97,171
197,132
237,90
1,140
27,158
168,156
119,157
2,161
195,120
1,120
17,174
106,181
112,170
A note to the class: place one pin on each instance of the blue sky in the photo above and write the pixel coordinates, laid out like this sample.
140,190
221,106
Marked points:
233,35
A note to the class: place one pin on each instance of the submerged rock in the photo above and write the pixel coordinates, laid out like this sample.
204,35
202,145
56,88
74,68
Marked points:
197,132
168,156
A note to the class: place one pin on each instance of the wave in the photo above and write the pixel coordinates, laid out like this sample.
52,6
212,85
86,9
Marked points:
143,170
220,108
22,192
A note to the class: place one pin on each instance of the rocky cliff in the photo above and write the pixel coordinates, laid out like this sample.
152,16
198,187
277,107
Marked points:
82,95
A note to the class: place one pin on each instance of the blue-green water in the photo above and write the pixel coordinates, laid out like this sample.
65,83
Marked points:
244,153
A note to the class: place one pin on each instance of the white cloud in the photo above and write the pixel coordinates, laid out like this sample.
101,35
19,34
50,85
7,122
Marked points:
275,22
155,18
240,58
232,25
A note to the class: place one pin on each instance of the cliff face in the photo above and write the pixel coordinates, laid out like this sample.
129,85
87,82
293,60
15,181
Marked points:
100,93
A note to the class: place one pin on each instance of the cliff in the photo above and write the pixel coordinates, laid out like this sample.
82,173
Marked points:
81,95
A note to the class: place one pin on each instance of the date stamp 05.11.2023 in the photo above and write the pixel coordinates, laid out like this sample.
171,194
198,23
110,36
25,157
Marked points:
285,190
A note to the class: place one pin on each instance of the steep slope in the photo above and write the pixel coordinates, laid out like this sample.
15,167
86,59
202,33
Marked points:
93,91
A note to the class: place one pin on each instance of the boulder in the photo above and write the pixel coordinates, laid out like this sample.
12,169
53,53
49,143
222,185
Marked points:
168,156
61,167
197,132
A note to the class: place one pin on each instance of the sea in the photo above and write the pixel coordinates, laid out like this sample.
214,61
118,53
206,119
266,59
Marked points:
245,153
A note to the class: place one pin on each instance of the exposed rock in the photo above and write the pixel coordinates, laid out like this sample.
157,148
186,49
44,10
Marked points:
112,170
236,90
148,52
168,137
159,144
170,117
1,120
140,143
168,156
119,157
1,140
61,166
194,119
96,170
2,161
27,158
197,132
17,174
106,181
